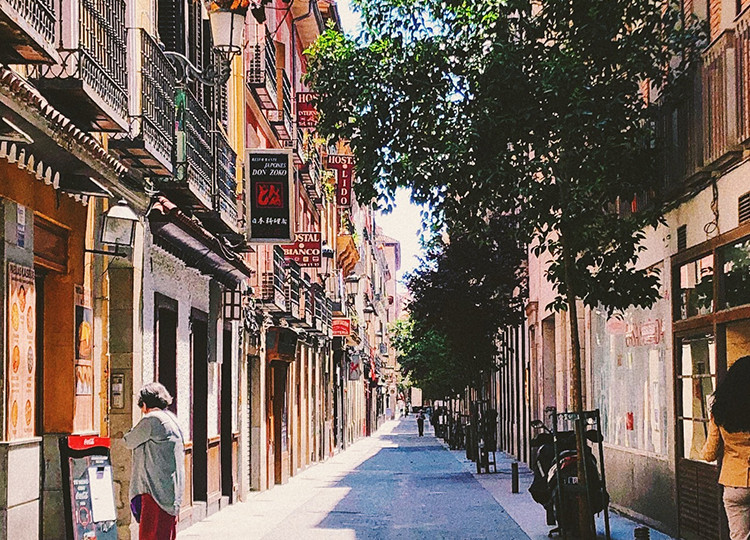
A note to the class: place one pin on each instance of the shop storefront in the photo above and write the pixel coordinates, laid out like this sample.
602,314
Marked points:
711,310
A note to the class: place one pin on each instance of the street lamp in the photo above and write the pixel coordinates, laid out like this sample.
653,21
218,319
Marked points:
118,229
352,286
326,254
227,21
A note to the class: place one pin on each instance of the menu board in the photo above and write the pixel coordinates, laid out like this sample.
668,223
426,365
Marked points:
21,368
83,417
91,512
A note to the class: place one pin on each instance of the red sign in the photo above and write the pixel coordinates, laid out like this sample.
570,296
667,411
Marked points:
344,166
341,326
305,251
307,116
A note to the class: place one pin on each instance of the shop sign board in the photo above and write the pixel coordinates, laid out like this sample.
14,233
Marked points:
270,195
21,353
341,326
305,250
343,164
355,367
307,116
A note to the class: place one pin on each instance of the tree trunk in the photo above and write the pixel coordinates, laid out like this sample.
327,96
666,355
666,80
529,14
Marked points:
585,517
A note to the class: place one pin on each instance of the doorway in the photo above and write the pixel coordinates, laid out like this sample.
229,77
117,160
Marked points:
226,415
166,345
199,355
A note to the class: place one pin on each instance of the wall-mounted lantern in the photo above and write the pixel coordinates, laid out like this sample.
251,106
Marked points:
118,229
233,304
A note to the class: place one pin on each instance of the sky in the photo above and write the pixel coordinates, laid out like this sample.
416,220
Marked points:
404,222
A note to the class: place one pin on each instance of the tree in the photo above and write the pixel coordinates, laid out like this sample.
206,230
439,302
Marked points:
546,110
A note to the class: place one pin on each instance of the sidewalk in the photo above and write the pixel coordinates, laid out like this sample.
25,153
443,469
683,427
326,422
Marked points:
525,511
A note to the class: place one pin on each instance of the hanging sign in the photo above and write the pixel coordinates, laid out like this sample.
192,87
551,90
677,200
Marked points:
270,195
307,116
21,349
343,164
341,326
305,250
355,367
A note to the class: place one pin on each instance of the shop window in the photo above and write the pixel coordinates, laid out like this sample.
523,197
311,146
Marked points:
735,274
696,292
737,336
696,383
630,377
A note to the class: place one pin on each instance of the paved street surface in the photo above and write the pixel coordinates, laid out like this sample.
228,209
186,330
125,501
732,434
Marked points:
392,485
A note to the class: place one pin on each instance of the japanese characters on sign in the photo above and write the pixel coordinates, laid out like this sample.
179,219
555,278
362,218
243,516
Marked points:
305,250
270,195
21,368
344,166
341,326
307,116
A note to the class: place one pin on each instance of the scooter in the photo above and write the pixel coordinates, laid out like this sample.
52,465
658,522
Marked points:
556,478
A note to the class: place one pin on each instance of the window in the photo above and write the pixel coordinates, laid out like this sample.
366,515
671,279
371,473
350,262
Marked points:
696,293
696,382
735,274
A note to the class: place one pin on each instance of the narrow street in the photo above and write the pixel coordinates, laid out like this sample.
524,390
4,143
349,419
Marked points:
391,485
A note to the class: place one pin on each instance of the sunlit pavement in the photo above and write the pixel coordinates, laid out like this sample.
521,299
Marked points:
391,485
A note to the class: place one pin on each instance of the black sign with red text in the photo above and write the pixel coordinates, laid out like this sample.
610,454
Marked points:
307,116
271,215
305,250
344,166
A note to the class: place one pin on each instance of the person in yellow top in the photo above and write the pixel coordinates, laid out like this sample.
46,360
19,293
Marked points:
730,424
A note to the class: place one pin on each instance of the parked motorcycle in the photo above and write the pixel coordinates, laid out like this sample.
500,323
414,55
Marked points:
555,484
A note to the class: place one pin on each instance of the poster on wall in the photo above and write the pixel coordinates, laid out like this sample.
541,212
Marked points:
84,368
270,195
343,164
21,353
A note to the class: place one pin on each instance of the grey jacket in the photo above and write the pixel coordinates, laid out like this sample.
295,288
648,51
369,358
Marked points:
158,460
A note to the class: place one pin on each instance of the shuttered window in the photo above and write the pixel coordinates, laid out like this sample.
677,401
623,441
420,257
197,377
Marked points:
171,24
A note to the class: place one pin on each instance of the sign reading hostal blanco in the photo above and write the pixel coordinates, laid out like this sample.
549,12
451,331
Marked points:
270,195
305,250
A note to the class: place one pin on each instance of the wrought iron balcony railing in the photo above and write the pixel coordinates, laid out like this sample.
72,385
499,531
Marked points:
272,287
294,279
193,150
28,31
281,119
226,182
261,73
90,83
150,144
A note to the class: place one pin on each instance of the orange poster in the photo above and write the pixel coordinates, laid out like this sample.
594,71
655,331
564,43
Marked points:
21,355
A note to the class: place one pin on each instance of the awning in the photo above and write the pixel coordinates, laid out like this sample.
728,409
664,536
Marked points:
189,241
37,137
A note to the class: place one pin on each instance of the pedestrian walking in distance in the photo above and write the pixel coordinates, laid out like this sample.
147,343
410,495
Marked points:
420,423
158,475
730,424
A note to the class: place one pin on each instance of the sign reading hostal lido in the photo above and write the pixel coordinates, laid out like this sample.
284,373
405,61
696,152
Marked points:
305,250
343,164
270,195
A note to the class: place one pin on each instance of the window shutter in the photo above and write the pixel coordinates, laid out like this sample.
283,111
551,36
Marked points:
743,205
171,24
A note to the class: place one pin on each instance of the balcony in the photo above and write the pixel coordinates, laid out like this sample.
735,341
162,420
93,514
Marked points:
192,183
272,286
281,119
27,31
720,119
311,174
309,295
298,150
295,308
261,73
153,109
90,84
226,183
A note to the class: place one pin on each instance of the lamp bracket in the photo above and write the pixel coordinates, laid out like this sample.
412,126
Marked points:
115,253
212,75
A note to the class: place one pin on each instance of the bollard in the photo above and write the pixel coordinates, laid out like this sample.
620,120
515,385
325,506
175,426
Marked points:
514,477
642,533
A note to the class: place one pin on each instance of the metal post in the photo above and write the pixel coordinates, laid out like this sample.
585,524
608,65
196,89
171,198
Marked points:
514,477
604,495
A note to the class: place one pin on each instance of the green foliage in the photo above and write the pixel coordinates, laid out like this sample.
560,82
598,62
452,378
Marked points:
499,107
